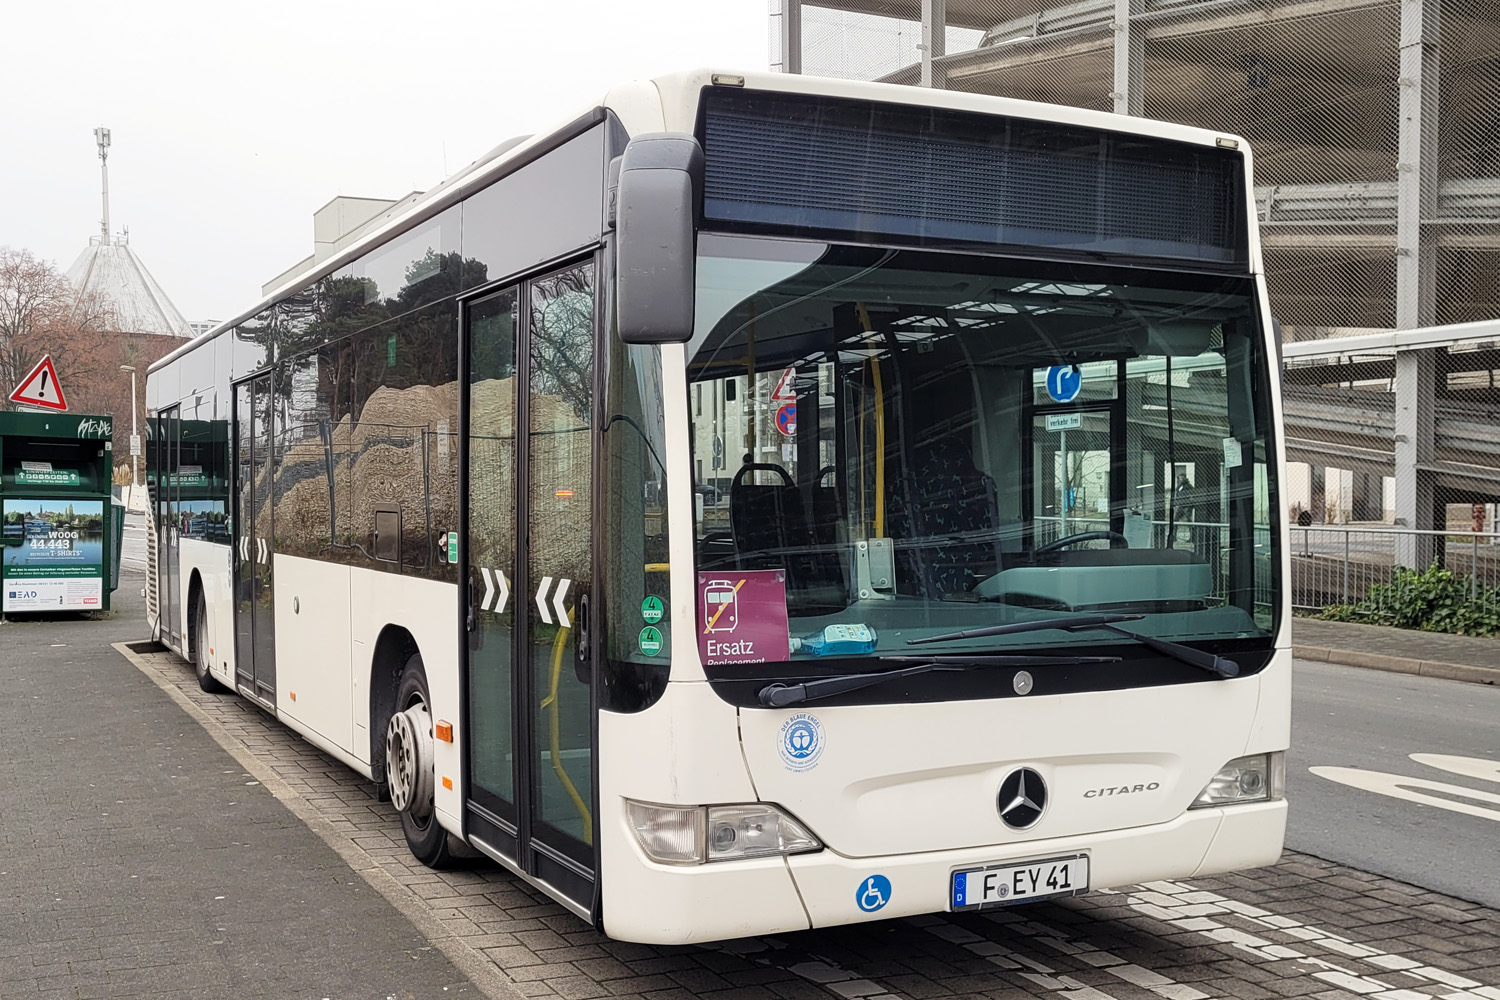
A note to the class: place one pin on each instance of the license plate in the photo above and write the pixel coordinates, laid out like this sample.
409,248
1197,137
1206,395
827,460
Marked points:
1001,885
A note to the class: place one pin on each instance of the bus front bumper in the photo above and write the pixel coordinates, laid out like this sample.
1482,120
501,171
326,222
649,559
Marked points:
665,904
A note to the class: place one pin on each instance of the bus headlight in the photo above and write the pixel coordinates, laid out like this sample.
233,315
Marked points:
754,831
691,835
1258,778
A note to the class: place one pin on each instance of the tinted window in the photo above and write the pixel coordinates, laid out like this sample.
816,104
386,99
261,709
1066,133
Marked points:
411,268
540,212
402,441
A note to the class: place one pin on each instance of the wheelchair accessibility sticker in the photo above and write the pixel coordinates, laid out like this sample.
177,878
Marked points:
873,893
801,742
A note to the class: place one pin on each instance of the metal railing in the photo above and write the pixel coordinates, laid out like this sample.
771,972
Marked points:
1338,564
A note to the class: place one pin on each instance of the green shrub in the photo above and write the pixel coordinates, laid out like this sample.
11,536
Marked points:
1434,600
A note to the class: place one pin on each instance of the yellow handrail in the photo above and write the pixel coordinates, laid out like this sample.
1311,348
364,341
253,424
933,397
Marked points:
864,319
562,775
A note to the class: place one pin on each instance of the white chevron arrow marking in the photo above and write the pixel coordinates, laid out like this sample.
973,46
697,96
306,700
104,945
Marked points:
541,599
489,588
500,602
557,603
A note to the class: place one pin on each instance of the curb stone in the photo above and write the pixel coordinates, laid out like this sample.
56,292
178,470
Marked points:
1399,664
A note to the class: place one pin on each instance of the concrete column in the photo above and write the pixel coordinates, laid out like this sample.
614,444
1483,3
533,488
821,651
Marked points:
791,36
1317,491
1416,180
1415,384
934,42
1130,59
1366,502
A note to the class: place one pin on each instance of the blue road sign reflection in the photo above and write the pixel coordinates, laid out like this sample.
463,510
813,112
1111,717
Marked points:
1064,382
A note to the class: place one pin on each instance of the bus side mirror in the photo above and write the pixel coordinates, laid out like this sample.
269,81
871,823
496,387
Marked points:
655,208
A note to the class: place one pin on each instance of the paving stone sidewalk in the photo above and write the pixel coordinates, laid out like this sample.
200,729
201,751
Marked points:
138,859
1302,928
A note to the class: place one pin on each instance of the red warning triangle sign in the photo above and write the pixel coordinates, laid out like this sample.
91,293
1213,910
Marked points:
786,387
40,388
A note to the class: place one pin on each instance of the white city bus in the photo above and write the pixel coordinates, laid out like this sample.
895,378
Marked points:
766,503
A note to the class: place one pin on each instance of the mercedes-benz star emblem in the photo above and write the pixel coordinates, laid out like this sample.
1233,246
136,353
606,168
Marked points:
1023,797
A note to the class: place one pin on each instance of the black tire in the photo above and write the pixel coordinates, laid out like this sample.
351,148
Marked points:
425,836
201,658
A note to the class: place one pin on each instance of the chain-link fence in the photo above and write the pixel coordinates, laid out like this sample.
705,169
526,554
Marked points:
1336,564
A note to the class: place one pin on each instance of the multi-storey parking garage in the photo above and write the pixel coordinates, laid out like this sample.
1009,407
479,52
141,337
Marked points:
1374,127
1373,121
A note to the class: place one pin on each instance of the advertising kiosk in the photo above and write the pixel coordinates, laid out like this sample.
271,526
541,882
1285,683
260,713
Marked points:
60,546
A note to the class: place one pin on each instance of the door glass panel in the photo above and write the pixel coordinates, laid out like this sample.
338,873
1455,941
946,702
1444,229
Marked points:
170,533
1071,469
559,533
492,550
261,534
244,548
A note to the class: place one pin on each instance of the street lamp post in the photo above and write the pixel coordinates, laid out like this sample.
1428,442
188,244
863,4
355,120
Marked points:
135,478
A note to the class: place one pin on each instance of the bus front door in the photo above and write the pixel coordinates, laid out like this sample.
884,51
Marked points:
254,612
168,446
528,473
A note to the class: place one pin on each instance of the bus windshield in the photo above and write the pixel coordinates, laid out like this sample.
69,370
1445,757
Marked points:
896,444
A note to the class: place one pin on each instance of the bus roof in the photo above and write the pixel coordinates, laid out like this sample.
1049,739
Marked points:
669,103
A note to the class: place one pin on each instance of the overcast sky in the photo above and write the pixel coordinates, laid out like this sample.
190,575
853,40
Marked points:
232,123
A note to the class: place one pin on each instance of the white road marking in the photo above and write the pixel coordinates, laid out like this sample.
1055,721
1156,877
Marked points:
1399,786
1469,767
1061,942
1185,908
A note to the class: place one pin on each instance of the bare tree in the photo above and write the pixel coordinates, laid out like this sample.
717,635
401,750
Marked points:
41,315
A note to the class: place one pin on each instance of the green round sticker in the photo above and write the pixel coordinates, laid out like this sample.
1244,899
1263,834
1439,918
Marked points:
652,610
650,641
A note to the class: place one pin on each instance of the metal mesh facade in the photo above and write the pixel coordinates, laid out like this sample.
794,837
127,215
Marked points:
1318,88
1375,126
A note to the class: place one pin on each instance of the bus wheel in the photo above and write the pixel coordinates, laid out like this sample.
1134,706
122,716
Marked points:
201,656
409,768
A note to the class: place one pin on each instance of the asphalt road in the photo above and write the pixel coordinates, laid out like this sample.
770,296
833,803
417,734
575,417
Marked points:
1423,820
133,551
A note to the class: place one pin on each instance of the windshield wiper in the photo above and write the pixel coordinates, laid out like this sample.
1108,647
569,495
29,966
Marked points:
780,695
1211,662
1038,625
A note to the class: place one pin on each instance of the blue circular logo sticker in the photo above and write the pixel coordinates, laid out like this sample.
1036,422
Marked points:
873,893
1064,382
801,741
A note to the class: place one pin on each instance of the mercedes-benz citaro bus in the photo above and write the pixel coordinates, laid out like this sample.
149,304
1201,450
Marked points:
765,503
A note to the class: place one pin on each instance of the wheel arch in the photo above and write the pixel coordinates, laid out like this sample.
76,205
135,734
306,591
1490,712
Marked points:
194,595
393,648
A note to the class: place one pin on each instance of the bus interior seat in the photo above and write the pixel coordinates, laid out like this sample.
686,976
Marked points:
950,497
771,528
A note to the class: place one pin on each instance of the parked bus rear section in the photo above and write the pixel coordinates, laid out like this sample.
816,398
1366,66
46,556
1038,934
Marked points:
766,503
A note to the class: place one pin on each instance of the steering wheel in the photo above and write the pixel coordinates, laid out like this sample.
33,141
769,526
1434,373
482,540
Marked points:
739,477
1084,536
